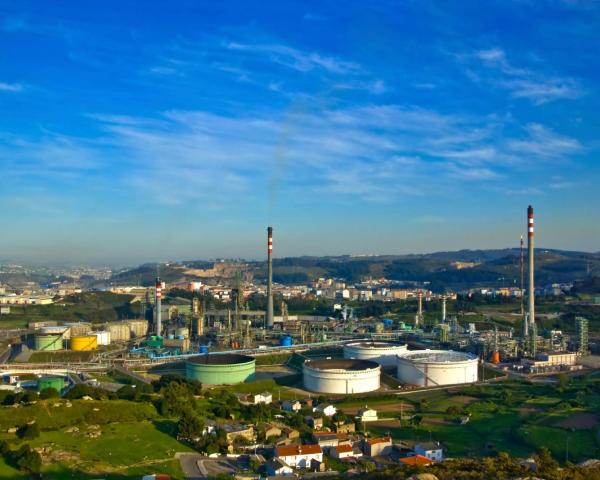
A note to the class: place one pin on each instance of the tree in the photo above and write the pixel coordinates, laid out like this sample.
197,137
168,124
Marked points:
29,432
190,426
28,459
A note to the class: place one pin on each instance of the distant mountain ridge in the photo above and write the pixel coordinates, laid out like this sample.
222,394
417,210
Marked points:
443,270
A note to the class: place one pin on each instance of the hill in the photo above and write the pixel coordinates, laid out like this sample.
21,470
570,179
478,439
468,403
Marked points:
455,270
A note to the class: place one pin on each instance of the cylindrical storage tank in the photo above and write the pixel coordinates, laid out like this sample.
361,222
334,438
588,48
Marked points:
286,341
341,376
48,341
220,369
384,353
51,382
119,331
103,337
61,330
388,322
379,327
430,368
203,349
182,332
84,343
138,328
79,328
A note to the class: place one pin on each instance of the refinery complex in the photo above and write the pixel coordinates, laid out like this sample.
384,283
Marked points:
344,355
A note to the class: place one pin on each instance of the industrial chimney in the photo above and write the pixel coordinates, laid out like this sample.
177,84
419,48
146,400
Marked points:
531,286
444,308
419,316
270,320
157,305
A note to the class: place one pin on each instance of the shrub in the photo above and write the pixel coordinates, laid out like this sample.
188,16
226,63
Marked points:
49,392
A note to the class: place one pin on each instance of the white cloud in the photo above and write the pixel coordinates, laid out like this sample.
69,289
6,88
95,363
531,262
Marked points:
535,86
297,59
11,87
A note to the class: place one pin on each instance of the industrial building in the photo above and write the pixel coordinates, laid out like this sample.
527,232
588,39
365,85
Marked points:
429,368
384,353
220,369
342,376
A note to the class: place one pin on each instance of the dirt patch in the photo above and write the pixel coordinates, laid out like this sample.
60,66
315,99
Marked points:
395,407
463,399
579,421
525,411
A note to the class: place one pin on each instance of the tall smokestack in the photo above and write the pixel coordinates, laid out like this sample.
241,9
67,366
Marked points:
419,315
270,320
522,271
157,305
531,286
443,308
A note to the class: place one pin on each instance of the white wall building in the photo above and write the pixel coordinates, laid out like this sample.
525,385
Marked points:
299,456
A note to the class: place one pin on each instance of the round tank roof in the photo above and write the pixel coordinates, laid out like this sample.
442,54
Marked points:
375,345
221,359
341,364
438,356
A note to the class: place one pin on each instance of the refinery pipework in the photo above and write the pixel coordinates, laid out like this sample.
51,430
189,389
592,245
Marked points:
270,320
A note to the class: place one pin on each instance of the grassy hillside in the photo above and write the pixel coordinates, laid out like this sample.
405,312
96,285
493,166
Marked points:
95,307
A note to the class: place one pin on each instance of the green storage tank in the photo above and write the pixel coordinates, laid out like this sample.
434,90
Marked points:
154,341
47,341
220,369
51,382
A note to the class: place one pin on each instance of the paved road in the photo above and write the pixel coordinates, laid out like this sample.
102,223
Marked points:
189,465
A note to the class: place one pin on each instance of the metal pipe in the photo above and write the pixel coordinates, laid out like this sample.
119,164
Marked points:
270,320
443,308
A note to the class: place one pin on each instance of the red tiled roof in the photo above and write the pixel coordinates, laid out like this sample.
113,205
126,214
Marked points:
344,448
374,441
290,450
416,460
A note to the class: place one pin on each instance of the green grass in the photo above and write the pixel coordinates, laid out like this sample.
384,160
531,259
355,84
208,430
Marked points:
123,449
279,387
81,411
273,359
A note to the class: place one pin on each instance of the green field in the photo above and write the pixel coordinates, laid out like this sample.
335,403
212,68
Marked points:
113,439
511,417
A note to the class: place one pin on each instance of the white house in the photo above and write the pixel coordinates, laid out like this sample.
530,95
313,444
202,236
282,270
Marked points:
264,397
299,456
367,415
431,450
277,467
290,406
344,450
327,410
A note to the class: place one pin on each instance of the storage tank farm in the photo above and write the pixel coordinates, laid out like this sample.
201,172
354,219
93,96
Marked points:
341,376
384,353
430,368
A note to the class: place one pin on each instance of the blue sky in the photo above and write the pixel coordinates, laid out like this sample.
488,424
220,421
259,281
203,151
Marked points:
139,131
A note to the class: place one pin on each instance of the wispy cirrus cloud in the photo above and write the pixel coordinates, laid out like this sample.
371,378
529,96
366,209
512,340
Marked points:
10,87
297,59
533,85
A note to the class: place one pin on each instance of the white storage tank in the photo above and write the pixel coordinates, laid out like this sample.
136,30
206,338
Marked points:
342,376
138,328
119,331
430,368
103,337
384,353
